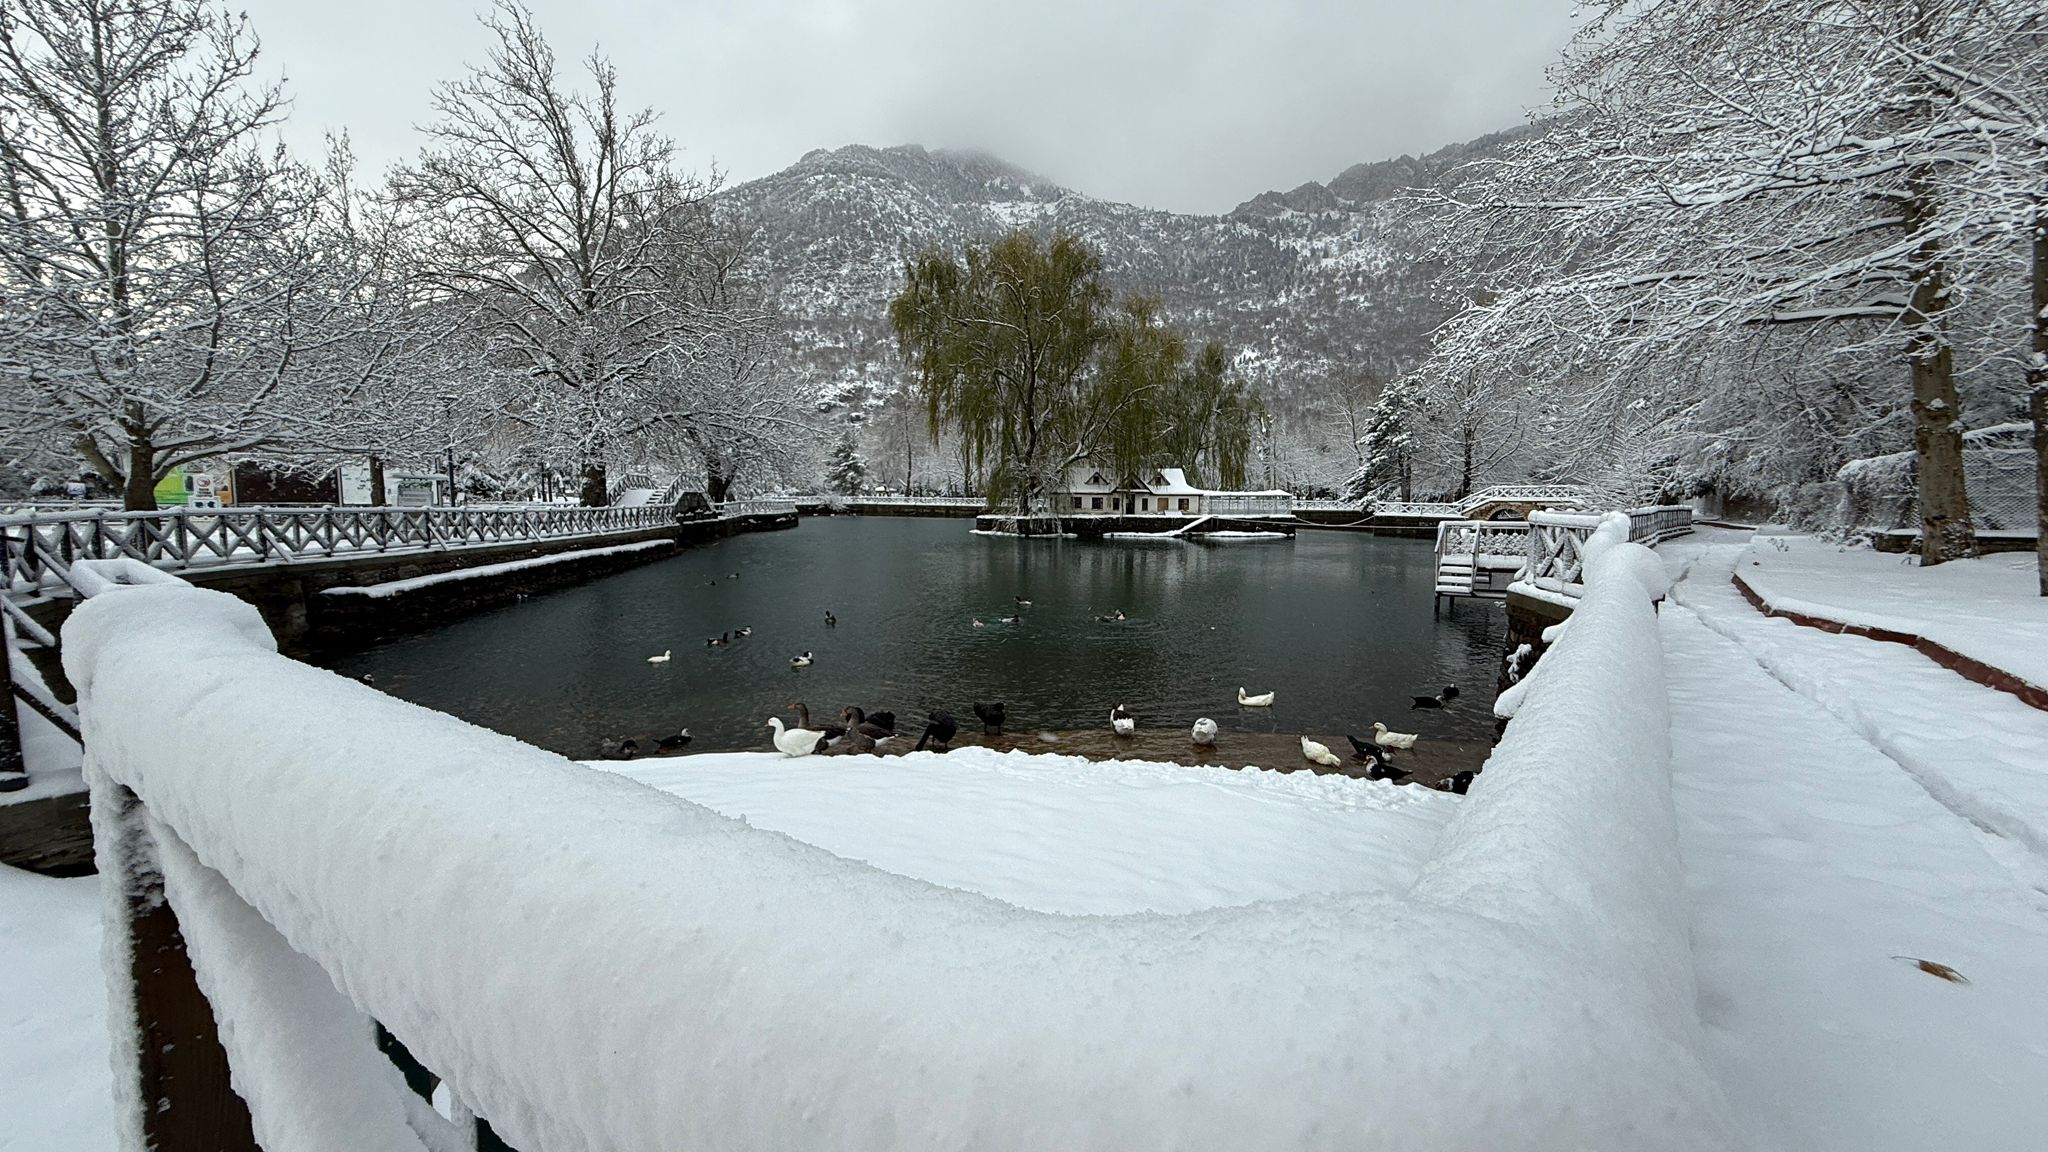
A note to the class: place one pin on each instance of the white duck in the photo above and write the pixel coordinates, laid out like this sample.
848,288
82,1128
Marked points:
803,661
1386,739
661,659
1204,733
1121,722
1316,753
1262,700
794,741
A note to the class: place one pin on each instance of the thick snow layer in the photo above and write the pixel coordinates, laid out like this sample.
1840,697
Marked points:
1979,752
1989,609
400,587
56,1092
1061,834
1816,862
597,965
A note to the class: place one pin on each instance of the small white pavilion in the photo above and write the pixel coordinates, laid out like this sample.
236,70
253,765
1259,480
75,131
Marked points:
1095,490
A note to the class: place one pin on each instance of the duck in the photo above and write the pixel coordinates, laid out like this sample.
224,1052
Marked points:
663,658
1009,620
976,621
743,632
1459,783
939,730
831,621
803,661
1262,700
1385,739
367,679
1440,700
1122,722
1021,602
857,721
1377,765
1113,618
992,717
885,719
854,743
719,641
670,743
795,741
1204,732
711,583
803,720
1316,753
732,575
624,749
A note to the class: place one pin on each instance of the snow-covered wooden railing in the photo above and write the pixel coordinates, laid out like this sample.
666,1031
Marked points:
593,964
1479,557
1554,568
1248,504
760,507
36,549
1304,504
1560,494
912,501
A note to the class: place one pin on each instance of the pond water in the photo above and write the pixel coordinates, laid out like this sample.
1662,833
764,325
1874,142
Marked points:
1338,624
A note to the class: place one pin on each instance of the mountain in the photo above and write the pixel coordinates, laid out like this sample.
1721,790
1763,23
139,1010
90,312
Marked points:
1297,285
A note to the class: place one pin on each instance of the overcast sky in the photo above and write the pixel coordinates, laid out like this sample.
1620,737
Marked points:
1191,107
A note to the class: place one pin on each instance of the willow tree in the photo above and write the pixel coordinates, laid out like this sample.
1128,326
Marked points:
1160,408
1002,346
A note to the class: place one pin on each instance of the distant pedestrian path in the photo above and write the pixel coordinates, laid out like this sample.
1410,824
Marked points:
1848,808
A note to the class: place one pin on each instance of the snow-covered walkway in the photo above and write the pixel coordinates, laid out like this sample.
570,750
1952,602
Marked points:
1843,803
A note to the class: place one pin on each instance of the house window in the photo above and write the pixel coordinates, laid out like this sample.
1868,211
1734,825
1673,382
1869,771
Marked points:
1077,501
1097,503
1097,479
1183,503
1144,504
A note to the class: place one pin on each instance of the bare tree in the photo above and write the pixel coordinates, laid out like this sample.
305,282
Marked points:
552,213
151,260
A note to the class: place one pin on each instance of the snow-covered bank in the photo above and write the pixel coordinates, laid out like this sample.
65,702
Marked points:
1063,834
1816,861
596,964
485,571
1988,609
55,1090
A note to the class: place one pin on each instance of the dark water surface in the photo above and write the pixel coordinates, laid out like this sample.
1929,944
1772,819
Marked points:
1337,623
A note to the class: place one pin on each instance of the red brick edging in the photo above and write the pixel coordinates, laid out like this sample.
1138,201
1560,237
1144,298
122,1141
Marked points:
1965,666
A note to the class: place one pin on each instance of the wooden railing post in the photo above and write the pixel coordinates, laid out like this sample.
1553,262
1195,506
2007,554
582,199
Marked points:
180,1075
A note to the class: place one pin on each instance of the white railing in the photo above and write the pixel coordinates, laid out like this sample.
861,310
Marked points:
916,501
1247,504
1518,493
1305,505
586,962
1555,565
761,507
35,550
1479,557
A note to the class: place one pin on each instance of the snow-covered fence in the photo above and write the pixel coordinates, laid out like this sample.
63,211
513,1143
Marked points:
1479,557
35,550
1303,504
592,964
1553,494
1555,563
762,507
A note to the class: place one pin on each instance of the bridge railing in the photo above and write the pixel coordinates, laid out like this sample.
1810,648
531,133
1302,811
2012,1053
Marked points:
1304,504
759,507
1458,510
35,550
1555,565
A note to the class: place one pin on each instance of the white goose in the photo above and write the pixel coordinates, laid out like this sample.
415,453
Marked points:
1316,753
1121,722
1386,739
794,741
1204,733
1262,700
661,659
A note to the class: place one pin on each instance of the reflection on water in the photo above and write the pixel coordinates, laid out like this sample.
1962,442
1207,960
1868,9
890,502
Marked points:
1338,624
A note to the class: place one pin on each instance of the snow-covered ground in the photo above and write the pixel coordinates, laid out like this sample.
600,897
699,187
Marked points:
1059,834
56,1091
1832,794
1989,609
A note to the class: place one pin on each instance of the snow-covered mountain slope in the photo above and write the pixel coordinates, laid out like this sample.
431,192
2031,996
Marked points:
1296,284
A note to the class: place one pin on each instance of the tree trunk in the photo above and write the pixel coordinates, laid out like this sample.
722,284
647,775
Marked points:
594,482
377,482
2037,391
1945,530
139,490
717,485
1465,467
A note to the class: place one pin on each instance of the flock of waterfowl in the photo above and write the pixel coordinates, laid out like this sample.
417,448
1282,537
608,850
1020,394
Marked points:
863,732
